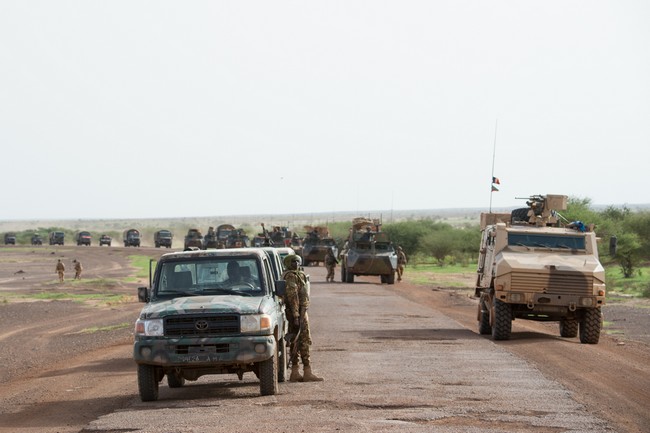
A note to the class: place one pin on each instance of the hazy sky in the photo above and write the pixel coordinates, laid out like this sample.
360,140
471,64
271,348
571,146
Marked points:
129,109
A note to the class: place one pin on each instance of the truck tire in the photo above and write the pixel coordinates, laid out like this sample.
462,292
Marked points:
344,277
283,360
590,326
568,328
349,276
519,215
175,380
269,375
390,279
502,321
484,327
147,382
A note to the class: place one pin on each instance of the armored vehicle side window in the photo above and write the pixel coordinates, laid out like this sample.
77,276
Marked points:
546,241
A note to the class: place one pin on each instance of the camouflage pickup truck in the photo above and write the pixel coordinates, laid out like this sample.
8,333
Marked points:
211,312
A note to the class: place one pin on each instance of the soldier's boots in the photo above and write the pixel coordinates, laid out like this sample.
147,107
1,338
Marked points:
309,376
295,374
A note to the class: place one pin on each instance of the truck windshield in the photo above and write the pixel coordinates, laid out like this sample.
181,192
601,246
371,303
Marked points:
213,276
546,241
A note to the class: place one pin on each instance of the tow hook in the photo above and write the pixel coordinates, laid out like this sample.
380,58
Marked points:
572,306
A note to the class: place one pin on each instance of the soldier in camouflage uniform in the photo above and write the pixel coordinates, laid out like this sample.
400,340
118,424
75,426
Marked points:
297,300
77,270
330,264
60,269
401,262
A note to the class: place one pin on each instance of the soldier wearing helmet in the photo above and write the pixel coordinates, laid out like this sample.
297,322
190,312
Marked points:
330,264
401,262
297,300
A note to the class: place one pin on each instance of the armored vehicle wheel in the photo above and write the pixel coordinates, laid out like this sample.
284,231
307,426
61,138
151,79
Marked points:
502,321
343,275
484,327
147,382
390,279
269,375
382,278
519,215
349,277
175,380
568,328
590,326
283,360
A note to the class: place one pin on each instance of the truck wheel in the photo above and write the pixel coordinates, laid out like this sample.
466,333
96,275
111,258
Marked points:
390,279
484,327
269,375
283,360
568,328
349,276
175,380
344,277
590,326
147,382
502,321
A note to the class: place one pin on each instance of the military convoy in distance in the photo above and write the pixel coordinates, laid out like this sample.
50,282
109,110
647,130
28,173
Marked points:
131,238
162,238
57,238
368,251
534,266
218,311
10,238
37,239
193,239
315,245
105,240
210,239
83,238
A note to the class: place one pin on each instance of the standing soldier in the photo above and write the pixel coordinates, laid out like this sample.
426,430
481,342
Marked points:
77,269
401,262
60,269
330,264
297,299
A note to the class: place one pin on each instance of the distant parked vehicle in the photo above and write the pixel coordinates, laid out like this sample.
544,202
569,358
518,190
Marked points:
57,238
131,238
83,238
37,239
10,238
163,238
105,240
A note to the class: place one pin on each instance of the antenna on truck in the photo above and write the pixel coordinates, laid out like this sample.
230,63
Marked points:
494,152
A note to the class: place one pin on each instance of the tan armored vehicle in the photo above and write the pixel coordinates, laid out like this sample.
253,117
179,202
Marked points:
368,251
316,244
531,266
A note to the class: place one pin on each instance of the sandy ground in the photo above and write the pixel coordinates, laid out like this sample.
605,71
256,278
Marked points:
67,364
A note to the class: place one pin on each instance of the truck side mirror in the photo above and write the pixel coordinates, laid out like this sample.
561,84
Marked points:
280,287
613,245
143,294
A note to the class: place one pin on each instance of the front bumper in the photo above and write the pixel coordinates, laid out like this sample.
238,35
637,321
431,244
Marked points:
203,352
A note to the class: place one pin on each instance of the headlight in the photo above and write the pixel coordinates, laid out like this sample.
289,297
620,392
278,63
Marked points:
255,322
149,328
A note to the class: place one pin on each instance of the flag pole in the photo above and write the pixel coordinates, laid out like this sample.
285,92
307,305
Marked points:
494,152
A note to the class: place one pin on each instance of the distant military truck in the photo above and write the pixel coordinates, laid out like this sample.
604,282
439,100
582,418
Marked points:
163,238
315,245
131,238
193,238
10,238
57,238
534,266
223,231
210,240
37,239
237,239
105,240
212,312
83,238
368,251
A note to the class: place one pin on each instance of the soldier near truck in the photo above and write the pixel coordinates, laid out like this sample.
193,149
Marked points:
401,262
60,270
533,265
330,265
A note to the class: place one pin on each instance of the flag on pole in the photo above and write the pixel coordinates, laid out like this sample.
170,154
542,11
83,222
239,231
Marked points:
494,188
496,180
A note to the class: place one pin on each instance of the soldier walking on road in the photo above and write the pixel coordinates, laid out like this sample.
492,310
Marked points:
297,299
401,262
60,269
330,264
77,269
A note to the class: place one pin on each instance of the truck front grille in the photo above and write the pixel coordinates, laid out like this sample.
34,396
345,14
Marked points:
553,283
201,325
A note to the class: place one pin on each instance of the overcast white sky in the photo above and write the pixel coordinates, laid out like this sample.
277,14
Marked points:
139,109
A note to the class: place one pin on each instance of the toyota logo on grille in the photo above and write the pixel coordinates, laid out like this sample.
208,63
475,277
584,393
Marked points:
201,325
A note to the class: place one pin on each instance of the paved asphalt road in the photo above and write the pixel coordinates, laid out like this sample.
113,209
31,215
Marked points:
389,364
